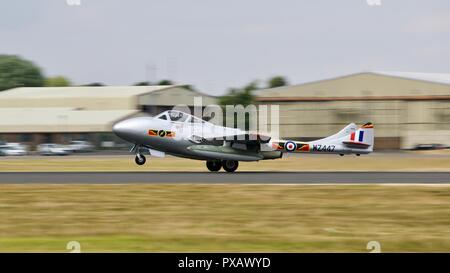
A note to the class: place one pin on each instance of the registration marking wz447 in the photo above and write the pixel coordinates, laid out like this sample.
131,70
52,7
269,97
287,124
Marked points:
323,148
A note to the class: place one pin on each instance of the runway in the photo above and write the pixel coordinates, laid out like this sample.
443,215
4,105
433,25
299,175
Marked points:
231,178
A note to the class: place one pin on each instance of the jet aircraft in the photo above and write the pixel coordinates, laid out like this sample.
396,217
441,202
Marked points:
183,135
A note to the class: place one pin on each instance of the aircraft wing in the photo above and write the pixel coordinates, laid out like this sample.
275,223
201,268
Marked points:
245,138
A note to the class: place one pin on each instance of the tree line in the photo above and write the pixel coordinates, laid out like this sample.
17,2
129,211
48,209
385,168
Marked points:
18,72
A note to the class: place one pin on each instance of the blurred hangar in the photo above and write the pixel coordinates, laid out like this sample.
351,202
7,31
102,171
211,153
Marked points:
406,108
34,115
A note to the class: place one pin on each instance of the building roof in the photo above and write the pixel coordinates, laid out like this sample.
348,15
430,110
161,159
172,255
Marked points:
80,91
375,85
441,78
94,98
429,77
30,120
81,108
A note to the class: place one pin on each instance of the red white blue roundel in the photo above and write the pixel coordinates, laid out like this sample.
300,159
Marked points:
290,146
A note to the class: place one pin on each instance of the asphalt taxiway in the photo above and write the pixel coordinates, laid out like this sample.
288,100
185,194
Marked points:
232,178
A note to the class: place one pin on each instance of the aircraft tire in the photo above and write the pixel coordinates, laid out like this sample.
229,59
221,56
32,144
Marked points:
230,165
140,160
214,166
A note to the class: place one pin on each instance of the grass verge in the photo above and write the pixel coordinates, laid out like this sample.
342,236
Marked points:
171,218
379,162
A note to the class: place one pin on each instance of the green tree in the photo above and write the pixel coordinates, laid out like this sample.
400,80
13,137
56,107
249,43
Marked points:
190,87
57,81
276,81
18,72
242,96
144,83
94,84
165,82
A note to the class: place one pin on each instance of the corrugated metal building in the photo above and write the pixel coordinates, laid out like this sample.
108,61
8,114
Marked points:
407,108
60,114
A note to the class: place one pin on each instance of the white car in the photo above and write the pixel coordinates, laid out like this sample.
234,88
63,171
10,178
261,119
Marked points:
80,146
52,149
13,149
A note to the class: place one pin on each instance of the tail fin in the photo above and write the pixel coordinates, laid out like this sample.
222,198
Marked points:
351,128
362,138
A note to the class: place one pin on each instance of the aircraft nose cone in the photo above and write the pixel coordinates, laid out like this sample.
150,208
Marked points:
134,129
123,129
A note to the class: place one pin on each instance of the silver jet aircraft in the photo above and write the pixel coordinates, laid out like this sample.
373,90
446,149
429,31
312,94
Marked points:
183,135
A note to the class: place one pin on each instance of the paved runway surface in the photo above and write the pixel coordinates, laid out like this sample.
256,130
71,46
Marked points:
212,178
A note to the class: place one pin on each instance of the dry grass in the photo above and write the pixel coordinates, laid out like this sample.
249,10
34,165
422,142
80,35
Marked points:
380,162
224,217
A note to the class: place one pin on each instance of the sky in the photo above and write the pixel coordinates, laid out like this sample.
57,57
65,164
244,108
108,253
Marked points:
215,45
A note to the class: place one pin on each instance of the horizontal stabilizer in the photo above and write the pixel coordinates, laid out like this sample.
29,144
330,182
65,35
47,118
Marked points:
356,144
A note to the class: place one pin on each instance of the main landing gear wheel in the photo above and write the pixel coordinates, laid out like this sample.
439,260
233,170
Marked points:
230,165
214,166
140,159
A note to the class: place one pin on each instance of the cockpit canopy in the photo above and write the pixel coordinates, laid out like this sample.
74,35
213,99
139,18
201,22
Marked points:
178,116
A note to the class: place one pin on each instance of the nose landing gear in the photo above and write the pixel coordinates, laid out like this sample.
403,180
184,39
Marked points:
140,159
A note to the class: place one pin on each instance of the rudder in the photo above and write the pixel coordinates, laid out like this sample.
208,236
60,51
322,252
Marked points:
363,137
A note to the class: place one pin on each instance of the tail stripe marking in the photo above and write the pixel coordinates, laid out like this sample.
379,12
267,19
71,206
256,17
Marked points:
361,136
352,136
303,147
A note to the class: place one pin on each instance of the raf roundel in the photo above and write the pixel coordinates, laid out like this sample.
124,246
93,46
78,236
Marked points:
290,146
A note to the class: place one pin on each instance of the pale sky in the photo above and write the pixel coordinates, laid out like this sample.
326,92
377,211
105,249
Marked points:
215,45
